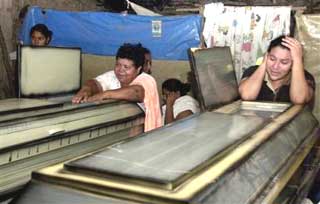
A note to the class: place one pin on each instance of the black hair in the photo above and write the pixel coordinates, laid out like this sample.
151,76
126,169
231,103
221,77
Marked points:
277,42
143,49
132,52
42,28
117,5
174,85
146,50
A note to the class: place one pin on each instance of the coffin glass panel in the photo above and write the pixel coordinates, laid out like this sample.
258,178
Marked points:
215,77
167,157
49,70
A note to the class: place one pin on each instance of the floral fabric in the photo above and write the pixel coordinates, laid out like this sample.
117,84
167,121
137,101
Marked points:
246,30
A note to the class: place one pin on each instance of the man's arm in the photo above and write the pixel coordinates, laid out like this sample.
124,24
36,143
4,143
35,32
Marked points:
300,91
90,88
250,87
134,93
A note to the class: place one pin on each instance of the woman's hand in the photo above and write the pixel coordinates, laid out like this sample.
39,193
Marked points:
96,98
171,98
90,88
82,96
295,48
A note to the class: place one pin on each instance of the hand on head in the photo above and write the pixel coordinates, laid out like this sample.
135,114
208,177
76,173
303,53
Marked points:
172,97
264,60
294,46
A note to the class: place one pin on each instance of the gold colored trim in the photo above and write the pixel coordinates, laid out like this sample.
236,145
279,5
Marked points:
253,105
287,173
182,193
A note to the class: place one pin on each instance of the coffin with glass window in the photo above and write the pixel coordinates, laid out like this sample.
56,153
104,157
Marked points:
243,152
42,126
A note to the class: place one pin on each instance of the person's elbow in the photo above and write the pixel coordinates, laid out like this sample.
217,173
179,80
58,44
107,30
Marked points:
136,93
302,98
245,95
299,101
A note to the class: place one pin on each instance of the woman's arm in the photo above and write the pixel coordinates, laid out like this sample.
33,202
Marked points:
250,87
300,91
184,114
134,93
90,88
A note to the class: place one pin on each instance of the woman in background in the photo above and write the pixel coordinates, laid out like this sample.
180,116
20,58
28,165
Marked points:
40,35
178,105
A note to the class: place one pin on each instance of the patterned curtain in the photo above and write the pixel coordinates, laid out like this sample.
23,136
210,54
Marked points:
247,30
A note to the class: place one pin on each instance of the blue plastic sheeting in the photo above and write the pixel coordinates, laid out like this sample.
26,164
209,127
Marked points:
101,33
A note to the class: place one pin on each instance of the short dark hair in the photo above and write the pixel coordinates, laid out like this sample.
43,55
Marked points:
144,49
277,42
132,52
42,28
117,5
174,85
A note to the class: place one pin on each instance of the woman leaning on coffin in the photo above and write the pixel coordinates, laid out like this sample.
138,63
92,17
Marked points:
126,81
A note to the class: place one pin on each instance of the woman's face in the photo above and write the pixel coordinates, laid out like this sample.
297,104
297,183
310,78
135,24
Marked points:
165,94
169,95
38,39
279,63
126,71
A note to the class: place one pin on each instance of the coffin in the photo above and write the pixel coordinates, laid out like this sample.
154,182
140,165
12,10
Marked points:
42,127
241,152
38,133
244,152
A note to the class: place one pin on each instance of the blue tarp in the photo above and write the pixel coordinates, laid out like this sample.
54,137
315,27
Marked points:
101,33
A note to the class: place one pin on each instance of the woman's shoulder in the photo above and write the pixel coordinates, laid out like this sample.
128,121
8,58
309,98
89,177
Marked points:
186,102
144,75
144,78
186,99
107,74
249,71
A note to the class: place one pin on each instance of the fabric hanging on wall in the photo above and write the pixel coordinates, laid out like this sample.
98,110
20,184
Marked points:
141,10
247,30
308,32
101,33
